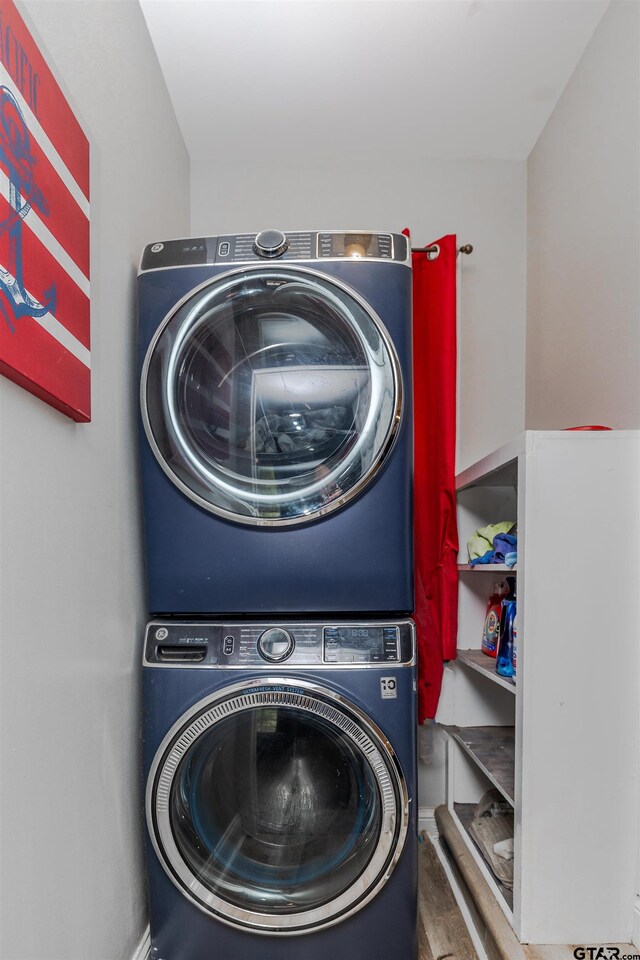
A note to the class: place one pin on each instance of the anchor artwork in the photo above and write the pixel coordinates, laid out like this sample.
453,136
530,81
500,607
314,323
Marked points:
44,228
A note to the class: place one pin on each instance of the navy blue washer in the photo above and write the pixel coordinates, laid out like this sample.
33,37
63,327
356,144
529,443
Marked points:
386,926
356,559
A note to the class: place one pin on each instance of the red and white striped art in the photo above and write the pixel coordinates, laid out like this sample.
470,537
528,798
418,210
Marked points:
44,228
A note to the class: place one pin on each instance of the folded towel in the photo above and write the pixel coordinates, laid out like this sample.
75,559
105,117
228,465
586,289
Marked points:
504,849
489,557
482,540
503,544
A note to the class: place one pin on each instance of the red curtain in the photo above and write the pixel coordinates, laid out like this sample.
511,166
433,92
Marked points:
435,524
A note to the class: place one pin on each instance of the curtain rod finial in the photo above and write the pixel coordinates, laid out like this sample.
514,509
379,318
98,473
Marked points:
466,248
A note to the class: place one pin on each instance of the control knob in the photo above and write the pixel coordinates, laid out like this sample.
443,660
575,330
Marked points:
275,644
270,244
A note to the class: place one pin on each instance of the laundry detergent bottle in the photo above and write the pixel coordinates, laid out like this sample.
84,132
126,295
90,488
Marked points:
491,628
504,660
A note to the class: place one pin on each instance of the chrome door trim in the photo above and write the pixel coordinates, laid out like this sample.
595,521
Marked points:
355,489
315,699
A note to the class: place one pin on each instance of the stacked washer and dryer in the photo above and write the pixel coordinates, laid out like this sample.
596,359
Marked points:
279,664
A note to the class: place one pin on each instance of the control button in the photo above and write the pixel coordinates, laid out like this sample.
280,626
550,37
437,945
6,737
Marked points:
223,249
275,644
227,646
270,243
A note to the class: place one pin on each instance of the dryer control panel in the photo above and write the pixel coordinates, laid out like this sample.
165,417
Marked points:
276,245
286,643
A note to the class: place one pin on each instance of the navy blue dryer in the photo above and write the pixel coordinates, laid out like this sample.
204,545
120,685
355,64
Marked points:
280,768
276,404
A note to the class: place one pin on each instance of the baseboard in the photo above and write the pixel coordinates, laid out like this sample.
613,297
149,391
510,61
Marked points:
635,935
427,821
143,950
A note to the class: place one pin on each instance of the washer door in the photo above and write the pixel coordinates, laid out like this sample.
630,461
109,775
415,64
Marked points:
271,396
277,807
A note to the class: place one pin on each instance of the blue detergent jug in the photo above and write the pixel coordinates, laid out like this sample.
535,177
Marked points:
504,660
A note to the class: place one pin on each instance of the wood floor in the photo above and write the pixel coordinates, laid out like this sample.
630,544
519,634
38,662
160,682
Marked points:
443,931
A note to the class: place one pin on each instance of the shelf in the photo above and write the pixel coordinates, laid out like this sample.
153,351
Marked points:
493,750
527,740
465,813
479,661
499,469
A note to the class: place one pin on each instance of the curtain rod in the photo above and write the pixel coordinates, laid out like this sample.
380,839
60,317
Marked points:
434,249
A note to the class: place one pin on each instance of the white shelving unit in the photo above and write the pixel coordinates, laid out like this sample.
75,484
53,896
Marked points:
562,742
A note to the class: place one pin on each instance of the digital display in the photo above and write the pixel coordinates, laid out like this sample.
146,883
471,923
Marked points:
360,644
366,638
357,246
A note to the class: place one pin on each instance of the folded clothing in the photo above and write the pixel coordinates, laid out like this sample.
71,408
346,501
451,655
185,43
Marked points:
504,848
503,547
481,542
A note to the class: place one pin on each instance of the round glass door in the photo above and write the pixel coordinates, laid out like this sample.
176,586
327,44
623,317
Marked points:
271,396
277,808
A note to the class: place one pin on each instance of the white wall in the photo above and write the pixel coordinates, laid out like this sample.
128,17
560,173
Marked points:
71,589
583,301
484,202
583,309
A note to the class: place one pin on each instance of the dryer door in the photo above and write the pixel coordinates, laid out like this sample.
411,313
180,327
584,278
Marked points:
277,806
271,396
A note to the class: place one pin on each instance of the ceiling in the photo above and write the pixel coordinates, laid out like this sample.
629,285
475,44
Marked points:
320,80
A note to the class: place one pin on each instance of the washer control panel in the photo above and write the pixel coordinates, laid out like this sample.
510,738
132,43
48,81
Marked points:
170,643
270,244
372,643
276,245
275,644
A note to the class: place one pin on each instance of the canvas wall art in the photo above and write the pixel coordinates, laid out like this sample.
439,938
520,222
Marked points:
44,228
